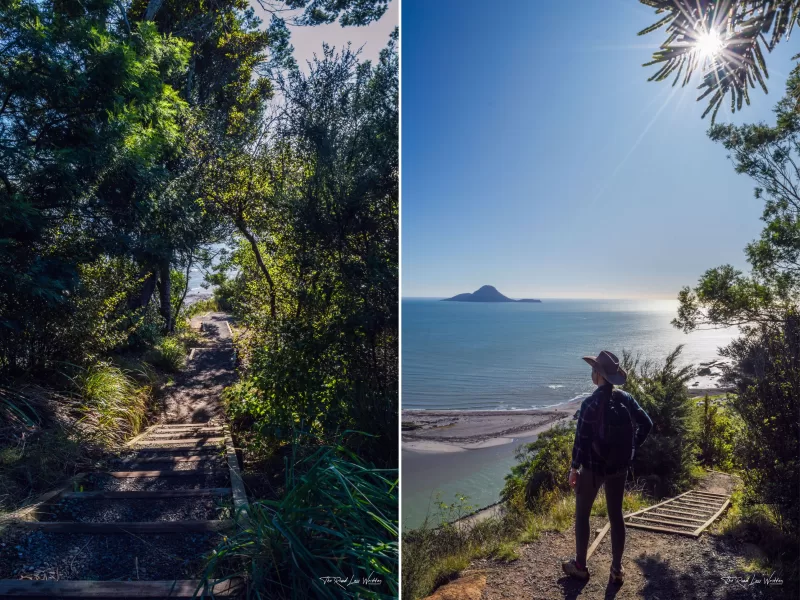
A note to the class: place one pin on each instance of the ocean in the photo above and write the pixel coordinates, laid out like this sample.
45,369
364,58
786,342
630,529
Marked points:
470,356
505,356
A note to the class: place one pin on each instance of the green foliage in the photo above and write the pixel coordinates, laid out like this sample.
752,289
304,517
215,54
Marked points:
200,307
766,373
741,26
718,433
764,304
541,468
168,354
724,296
666,459
32,466
432,556
336,518
316,284
111,404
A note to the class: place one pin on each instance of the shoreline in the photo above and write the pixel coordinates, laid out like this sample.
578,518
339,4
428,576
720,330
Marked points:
445,431
460,430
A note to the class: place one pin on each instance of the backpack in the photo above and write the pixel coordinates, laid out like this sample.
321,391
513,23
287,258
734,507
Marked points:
614,433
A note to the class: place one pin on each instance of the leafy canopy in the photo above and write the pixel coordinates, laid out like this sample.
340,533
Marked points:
723,39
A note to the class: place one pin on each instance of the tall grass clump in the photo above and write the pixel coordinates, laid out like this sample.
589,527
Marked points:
336,519
168,354
112,405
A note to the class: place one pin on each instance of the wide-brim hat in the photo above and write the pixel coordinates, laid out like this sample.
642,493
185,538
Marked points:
607,364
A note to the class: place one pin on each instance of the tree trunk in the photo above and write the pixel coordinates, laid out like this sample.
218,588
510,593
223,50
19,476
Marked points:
240,224
152,9
165,298
142,299
185,289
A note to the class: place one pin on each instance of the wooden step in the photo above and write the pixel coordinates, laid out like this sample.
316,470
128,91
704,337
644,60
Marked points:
184,588
663,529
678,514
169,459
148,465
167,473
664,521
129,526
193,451
146,495
689,511
194,441
184,425
180,435
723,496
698,505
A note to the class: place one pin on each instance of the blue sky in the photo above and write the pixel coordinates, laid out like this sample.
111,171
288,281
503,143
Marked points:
537,158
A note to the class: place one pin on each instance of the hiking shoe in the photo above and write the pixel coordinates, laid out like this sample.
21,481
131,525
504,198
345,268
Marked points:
617,576
572,569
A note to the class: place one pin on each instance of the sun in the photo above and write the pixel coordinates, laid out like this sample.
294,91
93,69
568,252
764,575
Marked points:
709,45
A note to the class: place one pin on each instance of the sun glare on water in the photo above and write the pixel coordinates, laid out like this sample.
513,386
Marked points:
709,45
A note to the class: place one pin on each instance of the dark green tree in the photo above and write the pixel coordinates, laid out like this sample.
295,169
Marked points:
764,304
723,39
766,373
319,229
725,296
84,99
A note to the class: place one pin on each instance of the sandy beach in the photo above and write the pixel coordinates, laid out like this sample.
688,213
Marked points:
458,431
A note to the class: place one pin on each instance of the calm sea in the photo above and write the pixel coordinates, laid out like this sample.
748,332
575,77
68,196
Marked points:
515,356
459,355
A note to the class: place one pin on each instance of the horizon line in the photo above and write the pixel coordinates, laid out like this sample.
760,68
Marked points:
556,298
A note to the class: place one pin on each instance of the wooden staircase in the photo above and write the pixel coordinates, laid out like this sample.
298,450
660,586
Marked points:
174,460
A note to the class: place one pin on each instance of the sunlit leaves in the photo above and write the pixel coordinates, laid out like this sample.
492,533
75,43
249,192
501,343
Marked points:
742,27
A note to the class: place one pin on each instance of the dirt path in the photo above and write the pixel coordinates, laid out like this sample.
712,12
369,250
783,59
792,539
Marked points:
195,395
143,522
658,566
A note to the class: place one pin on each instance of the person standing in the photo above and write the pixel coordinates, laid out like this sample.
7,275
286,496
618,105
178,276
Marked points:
611,426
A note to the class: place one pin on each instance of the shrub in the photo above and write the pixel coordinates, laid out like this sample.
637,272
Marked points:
718,432
168,354
112,405
36,464
337,518
766,372
542,467
667,458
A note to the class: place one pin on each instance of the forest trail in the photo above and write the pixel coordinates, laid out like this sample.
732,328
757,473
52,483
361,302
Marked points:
659,566
140,524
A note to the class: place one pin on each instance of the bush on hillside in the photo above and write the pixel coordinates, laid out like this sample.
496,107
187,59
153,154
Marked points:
665,461
719,431
766,372
168,354
338,517
542,467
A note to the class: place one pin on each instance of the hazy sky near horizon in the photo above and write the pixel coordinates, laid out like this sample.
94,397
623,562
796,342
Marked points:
308,40
536,156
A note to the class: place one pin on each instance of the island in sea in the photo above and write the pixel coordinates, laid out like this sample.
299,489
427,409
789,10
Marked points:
487,293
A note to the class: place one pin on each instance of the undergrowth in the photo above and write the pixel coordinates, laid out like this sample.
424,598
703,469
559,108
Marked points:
337,518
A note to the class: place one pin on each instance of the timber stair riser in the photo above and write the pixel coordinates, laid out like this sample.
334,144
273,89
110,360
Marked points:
155,527
169,473
146,495
203,451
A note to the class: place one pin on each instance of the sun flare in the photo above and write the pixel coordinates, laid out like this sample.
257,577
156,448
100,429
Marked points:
709,45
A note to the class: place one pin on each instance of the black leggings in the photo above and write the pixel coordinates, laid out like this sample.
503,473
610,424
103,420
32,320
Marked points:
585,492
